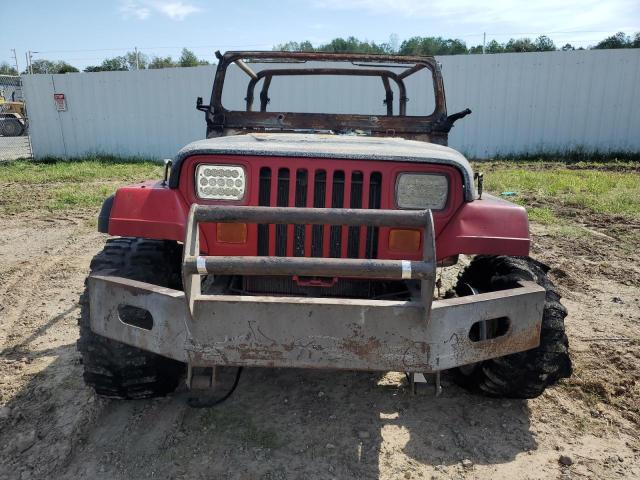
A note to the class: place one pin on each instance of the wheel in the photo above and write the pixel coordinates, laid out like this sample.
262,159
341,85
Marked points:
11,127
114,369
525,374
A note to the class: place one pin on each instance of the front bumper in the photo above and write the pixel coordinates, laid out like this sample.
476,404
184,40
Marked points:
267,331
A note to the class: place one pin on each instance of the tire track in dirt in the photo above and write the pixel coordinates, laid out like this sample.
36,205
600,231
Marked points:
300,424
23,285
42,267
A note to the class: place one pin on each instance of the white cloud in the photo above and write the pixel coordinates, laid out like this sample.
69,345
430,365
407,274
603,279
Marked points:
176,10
141,9
129,8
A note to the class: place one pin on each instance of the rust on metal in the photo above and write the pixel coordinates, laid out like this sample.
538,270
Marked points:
311,216
384,75
434,127
194,265
312,267
317,332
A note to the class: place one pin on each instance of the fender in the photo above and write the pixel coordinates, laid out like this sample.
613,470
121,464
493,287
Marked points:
152,210
489,226
149,210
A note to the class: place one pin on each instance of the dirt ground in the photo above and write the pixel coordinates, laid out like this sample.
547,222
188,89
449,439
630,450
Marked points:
290,424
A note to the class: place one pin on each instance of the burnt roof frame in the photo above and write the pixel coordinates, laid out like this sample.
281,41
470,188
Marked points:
221,121
384,75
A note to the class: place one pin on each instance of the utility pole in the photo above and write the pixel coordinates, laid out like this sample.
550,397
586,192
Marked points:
30,61
135,49
484,42
15,59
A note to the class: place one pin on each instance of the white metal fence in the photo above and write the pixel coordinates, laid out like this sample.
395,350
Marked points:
522,103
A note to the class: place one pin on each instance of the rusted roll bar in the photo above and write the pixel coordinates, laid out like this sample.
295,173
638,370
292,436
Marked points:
312,216
323,267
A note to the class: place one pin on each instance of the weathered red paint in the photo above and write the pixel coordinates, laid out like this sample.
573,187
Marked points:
489,225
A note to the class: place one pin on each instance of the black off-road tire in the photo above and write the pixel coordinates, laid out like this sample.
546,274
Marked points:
111,368
525,374
11,127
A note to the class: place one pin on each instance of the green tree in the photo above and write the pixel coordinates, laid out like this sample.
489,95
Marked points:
350,45
162,62
494,47
142,60
455,47
6,69
189,59
48,66
567,46
43,66
64,67
304,46
115,64
520,45
619,40
636,41
432,46
121,63
544,44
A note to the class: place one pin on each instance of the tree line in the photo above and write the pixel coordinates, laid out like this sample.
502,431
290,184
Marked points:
128,61
411,46
452,46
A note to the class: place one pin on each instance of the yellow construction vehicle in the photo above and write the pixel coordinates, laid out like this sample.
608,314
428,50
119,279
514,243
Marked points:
13,118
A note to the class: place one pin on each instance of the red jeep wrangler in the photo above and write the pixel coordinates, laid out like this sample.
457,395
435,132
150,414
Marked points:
313,240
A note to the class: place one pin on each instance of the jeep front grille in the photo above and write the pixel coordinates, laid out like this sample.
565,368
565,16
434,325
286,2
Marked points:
344,189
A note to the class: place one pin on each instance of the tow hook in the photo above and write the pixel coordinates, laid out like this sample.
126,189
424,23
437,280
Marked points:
417,379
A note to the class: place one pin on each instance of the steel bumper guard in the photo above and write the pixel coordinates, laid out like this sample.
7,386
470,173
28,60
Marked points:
411,336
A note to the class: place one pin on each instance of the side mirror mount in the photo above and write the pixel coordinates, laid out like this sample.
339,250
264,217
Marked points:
167,166
479,177
200,106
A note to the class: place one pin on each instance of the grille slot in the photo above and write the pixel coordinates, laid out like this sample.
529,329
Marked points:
301,201
375,194
317,231
353,242
264,194
282,201
337,201
345,189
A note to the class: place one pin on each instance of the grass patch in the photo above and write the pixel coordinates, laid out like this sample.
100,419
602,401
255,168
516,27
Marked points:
68,185
547,189
575,155
542,215
90,169
79,196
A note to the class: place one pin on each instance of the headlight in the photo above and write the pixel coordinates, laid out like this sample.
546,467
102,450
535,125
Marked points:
220,182
422,191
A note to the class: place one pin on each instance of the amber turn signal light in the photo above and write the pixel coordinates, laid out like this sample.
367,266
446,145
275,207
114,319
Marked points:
401,240
231,233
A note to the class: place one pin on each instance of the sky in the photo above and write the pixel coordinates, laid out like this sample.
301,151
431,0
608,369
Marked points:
85,32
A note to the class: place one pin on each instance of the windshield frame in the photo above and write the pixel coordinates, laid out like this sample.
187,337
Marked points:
222,121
